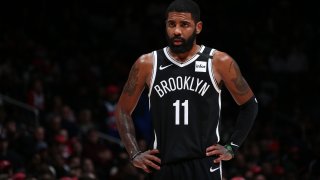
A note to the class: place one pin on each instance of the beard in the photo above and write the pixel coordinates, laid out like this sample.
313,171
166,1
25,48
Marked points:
185,46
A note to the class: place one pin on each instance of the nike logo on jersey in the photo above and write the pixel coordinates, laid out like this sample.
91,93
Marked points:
234,144
164,67
213,170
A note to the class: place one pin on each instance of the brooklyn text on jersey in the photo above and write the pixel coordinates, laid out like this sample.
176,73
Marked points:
182,83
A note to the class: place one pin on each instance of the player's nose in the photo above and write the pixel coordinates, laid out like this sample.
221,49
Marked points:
177,31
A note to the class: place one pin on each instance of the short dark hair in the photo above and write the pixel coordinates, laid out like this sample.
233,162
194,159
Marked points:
188,6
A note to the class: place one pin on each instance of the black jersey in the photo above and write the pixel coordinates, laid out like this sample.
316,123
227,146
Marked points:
185,105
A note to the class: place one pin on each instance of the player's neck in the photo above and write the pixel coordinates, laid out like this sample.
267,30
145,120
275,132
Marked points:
182,57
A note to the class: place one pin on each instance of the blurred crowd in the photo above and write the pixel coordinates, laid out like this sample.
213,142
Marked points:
71,61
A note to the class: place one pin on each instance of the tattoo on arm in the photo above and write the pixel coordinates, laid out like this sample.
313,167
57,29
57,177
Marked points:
239,82
131,84
230,66
127,133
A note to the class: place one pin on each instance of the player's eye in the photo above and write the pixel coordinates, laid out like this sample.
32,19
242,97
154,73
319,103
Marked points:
171,24
185,24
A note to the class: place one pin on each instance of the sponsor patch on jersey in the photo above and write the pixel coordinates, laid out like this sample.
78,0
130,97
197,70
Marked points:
201,66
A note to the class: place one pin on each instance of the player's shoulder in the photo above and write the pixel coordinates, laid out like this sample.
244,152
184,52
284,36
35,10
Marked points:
148,58
145,62
145,59
221,57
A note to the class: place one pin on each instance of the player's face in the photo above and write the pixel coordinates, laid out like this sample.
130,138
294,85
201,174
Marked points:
181,31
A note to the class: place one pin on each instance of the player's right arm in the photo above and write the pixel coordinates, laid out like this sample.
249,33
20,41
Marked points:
138,78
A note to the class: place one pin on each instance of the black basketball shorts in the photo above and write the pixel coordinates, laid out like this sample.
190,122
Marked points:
195,169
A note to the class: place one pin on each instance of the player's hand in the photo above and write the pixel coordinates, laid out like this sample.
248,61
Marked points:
220,151
147,160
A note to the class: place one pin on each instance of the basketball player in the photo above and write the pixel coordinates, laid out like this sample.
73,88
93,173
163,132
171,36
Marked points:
184,82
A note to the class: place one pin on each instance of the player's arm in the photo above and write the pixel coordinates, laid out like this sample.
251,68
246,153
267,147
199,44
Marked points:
138,78
228,72
230,75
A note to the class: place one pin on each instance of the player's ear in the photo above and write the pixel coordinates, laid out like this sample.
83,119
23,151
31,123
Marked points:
199,27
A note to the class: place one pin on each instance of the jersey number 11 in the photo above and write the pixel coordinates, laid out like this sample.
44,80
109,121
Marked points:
185,105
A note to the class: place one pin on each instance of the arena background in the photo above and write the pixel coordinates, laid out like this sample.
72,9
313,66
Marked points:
63,64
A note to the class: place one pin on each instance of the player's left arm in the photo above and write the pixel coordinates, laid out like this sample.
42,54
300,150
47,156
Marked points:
228,72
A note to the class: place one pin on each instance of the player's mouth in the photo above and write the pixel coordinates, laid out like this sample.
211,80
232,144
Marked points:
178,41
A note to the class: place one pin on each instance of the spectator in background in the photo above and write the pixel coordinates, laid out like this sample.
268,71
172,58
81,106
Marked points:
93,145
69,121
12,134
108,110
53,126
74,164
88,169
57,105
85,121
62,144
36,142
9,158
36,95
